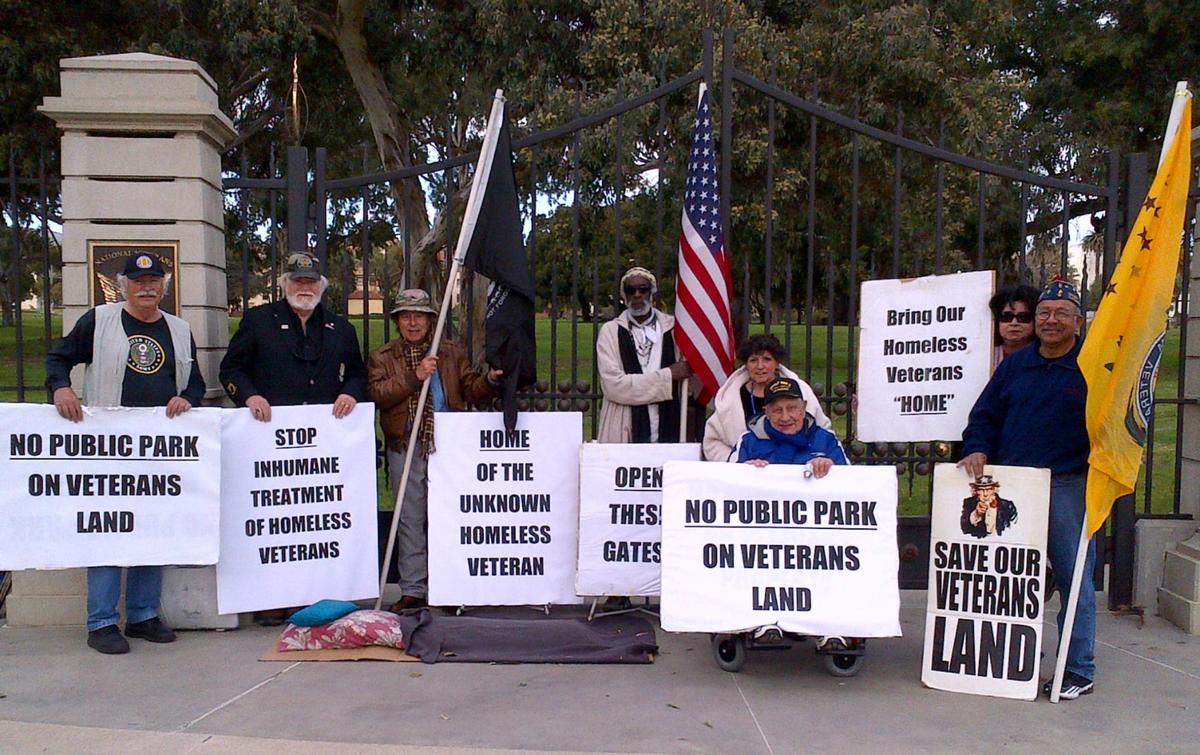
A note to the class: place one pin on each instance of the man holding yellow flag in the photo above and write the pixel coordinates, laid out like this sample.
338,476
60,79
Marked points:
1031,414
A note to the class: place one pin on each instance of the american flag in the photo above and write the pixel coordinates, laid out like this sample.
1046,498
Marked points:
704,331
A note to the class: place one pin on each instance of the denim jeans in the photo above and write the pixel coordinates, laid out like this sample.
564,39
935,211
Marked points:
1067,512
412,534
143,588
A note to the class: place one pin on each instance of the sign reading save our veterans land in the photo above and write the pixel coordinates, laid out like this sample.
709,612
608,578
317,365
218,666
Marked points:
504,509
744,547
925,355
124,487
987,576
298,520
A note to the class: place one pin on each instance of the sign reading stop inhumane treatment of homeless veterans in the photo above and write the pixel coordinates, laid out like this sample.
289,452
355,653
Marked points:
924,357
620,514
124,487
745,547
987,575
298,520
504,509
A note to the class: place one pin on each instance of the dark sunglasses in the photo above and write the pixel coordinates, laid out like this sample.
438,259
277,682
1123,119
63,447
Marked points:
1022,317
642,289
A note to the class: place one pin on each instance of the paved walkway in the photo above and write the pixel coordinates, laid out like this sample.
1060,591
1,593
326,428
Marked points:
208,693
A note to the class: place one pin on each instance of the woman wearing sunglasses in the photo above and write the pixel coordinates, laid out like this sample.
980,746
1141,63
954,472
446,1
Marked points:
1012,310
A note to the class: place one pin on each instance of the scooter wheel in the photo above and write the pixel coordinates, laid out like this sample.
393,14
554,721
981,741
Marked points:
729,650
840,664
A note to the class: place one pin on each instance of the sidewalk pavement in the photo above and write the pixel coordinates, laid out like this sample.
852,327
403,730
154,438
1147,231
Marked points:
208,693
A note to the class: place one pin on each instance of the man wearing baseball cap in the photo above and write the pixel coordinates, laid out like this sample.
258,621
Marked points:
294,351
1031,414
785,433
136,355
395,372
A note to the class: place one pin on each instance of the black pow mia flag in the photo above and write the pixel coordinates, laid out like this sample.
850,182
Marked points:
497,250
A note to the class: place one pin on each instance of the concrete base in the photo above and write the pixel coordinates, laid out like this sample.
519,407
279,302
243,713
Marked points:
1152,539
1179,597
48,598
189,599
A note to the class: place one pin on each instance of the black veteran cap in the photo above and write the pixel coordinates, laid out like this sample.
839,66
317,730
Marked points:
781,388
303,265
137,265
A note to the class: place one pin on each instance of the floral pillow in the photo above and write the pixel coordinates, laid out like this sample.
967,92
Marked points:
355,630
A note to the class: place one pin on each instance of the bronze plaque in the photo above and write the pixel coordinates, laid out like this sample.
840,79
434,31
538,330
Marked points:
107,258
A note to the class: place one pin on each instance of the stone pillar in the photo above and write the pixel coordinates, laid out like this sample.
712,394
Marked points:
142,137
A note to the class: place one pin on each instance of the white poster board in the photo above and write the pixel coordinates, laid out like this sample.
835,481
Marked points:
298,521
745,547
620,505
504,509
925,354
124,487
987,576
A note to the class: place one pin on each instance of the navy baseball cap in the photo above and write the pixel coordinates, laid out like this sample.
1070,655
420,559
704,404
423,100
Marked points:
781,388
141,264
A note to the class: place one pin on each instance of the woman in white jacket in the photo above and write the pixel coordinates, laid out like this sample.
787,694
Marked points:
740,398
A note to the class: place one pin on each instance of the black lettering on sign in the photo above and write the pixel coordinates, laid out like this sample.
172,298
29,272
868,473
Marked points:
499,439
169,446
103,521
295,437
984,648
512,566
646,514
784,598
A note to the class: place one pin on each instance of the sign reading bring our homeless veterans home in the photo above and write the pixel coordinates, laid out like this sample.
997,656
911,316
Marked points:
504,509
298,521
987,576
620,514
124,487
744,547
924,357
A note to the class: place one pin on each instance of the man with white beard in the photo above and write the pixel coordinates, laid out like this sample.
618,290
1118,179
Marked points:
636,358
295,351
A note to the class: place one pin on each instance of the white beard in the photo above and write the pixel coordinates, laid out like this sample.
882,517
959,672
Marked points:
304,305
639,310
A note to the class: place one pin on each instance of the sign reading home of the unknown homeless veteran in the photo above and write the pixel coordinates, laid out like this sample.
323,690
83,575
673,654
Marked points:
124,487
987,576
504,508
745,547
924,356
298,520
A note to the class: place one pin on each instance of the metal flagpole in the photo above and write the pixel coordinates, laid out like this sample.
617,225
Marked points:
483,170
683,406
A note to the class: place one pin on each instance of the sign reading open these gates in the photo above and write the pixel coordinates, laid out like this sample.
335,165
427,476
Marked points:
925,355
620,515
298,520
987,576
124,487
504,509
745,547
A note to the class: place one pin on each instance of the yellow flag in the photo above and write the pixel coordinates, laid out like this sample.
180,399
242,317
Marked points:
1119,358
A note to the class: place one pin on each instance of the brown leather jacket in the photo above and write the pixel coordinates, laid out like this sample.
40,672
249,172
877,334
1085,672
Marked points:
390,383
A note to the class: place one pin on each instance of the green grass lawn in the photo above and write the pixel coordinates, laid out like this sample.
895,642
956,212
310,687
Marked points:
574,345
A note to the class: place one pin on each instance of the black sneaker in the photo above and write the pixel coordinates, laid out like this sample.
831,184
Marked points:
1073,686
152,630
108,640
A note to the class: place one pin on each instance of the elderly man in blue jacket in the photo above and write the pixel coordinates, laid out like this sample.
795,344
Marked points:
785,433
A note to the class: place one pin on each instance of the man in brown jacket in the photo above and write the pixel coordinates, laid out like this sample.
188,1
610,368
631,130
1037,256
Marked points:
395,372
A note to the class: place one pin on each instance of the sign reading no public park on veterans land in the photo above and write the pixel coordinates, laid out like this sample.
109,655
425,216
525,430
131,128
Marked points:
620,514
504,509
298,521
924,357
987,576
744,547
124,487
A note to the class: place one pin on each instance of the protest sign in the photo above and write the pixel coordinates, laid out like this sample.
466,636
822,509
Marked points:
987,575
298,520
924,356
744,547
124,487
504,509
620,505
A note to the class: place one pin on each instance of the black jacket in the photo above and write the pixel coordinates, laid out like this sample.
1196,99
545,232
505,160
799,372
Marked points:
272,356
